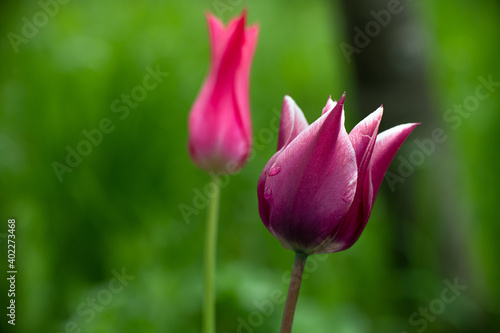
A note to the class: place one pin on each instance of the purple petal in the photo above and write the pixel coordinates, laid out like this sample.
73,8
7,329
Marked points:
262,191
363,138
330,104
386,147
292,122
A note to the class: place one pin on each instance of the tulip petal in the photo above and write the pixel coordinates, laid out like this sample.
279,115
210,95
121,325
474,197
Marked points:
243,80
217,35
330,104
262,191
230,111
386,147
292,122
363,138
318,166
231,57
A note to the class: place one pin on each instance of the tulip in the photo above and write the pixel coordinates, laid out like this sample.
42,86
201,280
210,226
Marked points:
220,131
317,192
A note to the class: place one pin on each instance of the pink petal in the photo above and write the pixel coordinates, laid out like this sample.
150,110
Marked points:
330,104
227,65
243,79
292,122
363,137
217,36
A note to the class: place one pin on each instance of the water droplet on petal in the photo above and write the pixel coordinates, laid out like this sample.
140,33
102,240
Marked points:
267,193
274,170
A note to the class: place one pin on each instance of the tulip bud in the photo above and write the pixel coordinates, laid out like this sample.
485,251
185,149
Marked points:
219,121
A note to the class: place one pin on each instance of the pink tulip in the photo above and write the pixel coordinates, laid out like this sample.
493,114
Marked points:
317,192
220,132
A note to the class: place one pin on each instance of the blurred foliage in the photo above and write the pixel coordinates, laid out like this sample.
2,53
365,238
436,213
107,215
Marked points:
119,207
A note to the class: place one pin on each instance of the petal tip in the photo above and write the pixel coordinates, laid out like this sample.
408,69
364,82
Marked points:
342,99
244,13
329,106
211,18
288,103
411,126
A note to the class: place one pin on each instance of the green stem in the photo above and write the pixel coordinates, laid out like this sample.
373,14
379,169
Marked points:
210,259
293,292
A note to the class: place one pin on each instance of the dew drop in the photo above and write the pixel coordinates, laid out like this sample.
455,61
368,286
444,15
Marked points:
267,193
274,170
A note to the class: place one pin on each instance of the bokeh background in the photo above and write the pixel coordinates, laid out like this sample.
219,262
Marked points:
435,219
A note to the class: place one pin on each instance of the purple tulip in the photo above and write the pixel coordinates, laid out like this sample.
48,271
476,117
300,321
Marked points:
220,131
317,192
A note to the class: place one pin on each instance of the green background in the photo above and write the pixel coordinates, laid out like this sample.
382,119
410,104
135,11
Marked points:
119,208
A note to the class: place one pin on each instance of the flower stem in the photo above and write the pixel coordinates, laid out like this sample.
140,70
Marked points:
293,292
209,261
